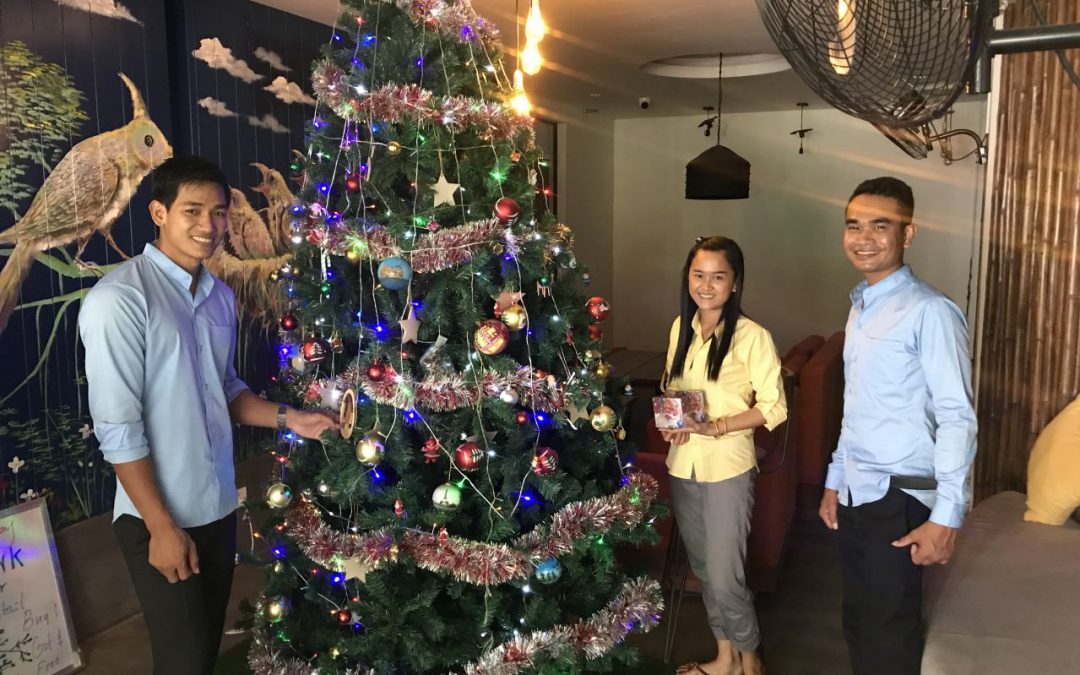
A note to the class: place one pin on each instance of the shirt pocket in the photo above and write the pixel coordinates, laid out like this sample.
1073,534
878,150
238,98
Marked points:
216,346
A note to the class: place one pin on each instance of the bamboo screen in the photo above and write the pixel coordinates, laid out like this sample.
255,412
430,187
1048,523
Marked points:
1029,365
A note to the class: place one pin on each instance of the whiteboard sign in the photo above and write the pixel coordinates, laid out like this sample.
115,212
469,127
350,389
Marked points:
36,635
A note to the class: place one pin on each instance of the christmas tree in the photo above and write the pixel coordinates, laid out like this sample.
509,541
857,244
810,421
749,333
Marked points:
465,519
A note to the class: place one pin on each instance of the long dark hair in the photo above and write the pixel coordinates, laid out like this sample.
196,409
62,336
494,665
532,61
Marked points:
729,315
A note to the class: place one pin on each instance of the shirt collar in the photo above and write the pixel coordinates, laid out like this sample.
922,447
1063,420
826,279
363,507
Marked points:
865,294
695,323
179,275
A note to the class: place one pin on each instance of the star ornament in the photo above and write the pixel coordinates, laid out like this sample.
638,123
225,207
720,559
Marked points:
409,327
444,191
507,299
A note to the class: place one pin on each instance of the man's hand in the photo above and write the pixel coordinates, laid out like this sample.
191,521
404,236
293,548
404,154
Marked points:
827,510
311,423
173,553
930,543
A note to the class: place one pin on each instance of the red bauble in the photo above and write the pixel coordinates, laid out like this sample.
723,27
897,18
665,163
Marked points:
595,333
376,372
344,616
545,461
352,183
431,451
598,308
288,322
522,417
316,350
506,210
468,456
492,336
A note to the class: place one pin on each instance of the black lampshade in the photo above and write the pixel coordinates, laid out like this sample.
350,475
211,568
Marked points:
718,173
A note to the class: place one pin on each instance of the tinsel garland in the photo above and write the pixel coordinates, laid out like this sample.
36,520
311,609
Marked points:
453,19
637,607
466,560
442,393
436,251
395,103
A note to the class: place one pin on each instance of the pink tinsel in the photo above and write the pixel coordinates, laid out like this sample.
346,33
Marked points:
470,561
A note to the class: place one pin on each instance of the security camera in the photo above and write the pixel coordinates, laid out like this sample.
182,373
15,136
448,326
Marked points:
644,102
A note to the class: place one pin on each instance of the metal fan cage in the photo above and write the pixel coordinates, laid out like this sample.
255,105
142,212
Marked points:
893,63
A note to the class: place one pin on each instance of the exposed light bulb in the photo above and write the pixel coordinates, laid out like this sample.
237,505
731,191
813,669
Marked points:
520,102
842,51
535,28
531,61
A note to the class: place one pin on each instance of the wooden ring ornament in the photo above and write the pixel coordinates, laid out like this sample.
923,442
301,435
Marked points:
347,413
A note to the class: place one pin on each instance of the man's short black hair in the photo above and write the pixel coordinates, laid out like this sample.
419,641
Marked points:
887,186
186,170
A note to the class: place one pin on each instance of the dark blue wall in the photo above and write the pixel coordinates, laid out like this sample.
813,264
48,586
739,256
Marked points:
156,55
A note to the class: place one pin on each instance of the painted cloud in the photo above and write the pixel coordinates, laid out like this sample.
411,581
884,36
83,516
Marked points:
268,121
271,58
216,107
289,92
217,55
108,8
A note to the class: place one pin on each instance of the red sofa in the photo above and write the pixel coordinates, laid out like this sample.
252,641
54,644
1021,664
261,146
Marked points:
813,378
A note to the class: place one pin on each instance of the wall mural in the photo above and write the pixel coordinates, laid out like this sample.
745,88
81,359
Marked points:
87,110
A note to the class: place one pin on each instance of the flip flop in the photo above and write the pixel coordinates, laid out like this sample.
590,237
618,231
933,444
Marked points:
692,667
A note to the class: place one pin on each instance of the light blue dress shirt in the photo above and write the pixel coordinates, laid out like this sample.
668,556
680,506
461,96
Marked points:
159,363
907,398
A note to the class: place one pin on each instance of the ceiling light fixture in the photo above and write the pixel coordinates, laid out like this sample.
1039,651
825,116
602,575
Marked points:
719,172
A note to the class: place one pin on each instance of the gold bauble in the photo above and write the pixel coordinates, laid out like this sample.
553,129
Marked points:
370,449
515,317
603,418
279,495
393,147
601,369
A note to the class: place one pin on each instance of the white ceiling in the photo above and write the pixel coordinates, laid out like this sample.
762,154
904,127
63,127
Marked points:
595,48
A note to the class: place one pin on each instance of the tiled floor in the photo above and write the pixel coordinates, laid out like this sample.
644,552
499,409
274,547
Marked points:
800,622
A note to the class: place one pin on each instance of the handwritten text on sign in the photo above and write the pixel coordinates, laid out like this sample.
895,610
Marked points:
35,630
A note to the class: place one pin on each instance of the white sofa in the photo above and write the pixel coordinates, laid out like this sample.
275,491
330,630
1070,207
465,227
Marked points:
1009,601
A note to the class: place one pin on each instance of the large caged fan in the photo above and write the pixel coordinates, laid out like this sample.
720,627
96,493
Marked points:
897,64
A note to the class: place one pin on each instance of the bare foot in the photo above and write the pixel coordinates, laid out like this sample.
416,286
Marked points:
751,664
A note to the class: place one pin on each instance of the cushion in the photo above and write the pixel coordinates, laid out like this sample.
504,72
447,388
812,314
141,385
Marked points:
1054,469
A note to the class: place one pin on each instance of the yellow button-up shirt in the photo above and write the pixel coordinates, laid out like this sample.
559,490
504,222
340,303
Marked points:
750,372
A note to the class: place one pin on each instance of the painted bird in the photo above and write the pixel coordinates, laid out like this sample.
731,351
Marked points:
279,199
247,233
84,194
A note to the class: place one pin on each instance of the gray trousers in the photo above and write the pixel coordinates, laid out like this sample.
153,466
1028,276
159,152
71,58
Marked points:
714,521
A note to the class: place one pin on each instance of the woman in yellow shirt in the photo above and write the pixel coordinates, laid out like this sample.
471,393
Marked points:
713,348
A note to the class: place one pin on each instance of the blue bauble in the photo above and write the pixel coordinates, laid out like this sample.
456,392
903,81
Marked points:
548,571
394,273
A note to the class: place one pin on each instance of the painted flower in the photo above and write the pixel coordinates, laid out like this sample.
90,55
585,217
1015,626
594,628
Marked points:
29,494
87,431
15,464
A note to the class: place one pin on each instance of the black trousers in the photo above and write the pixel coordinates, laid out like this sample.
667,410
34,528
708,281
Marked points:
882,586
185,619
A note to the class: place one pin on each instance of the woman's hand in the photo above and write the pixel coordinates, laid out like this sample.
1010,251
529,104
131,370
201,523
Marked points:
675,436
706,428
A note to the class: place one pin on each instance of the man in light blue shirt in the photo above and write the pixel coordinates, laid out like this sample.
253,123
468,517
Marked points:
896,489
160,336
